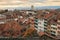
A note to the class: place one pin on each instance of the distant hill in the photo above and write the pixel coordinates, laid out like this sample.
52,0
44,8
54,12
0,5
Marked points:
48,7
36,7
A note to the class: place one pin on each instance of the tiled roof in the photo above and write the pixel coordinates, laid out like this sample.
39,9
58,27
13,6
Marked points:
41,33
48,15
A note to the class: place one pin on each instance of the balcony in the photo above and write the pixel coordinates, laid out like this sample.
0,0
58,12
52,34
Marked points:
45,24
55,26
53,32
36,26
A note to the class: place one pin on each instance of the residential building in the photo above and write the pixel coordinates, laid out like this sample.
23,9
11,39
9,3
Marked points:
54,29
58,25
47,17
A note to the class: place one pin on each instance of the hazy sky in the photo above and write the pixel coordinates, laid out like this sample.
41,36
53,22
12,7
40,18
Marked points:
24,3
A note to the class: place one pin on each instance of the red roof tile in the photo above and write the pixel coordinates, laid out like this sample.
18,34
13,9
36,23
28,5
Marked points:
48,15
41,33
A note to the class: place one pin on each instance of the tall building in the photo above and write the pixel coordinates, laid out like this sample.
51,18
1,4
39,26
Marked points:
39,25
58,25
53,29
32,7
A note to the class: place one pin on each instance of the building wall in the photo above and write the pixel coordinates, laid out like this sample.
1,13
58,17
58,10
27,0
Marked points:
58,27
40,25
54,29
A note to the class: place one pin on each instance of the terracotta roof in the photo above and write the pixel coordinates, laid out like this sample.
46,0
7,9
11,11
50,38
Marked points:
41,33
48,15
58,16
12,26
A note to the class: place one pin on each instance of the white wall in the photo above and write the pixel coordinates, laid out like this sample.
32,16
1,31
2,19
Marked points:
40,25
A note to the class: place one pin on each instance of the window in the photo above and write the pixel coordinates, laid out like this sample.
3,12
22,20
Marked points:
36,20
36,23
54,28
45,28
36,26
53,32
45,24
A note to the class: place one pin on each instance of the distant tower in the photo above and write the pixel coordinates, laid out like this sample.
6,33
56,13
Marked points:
32,7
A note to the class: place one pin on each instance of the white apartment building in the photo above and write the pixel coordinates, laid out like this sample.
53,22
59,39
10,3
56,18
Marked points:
54,29
40,25
58,28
